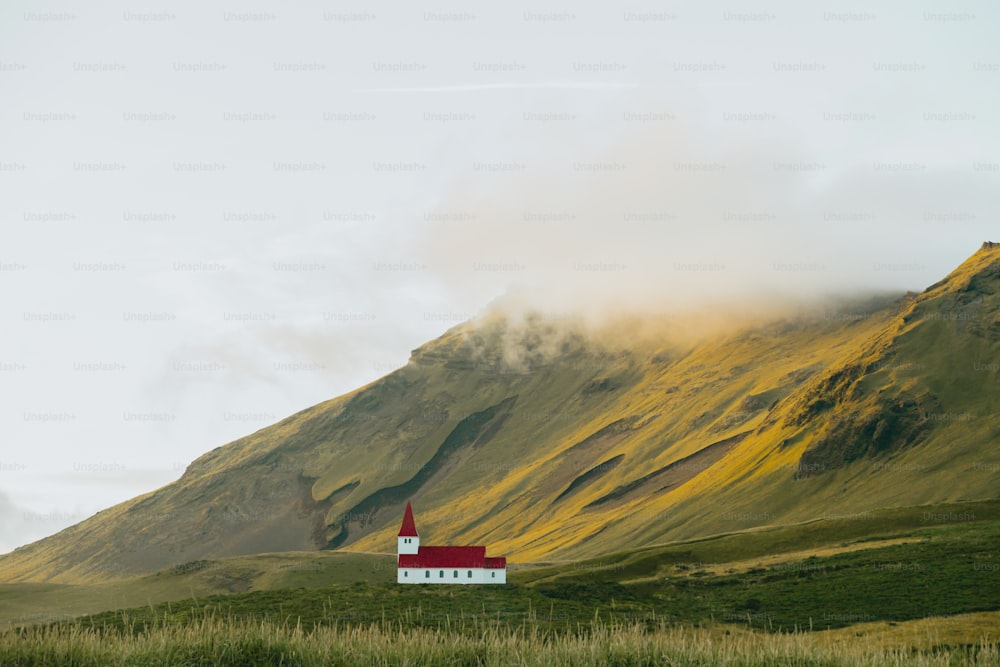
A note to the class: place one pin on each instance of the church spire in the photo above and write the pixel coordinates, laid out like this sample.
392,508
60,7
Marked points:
408,529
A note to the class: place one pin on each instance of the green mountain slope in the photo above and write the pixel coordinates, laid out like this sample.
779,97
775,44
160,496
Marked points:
548,440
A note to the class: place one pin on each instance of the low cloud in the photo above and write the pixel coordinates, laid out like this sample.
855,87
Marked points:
668,219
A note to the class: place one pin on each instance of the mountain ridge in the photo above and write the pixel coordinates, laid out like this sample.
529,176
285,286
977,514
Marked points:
497,419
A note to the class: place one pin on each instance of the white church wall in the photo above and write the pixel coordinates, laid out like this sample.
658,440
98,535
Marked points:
451,575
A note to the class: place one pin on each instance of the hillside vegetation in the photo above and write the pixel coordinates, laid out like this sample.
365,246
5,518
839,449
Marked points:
548,440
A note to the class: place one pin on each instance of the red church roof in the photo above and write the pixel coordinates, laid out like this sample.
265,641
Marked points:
464,557
408,529
442,557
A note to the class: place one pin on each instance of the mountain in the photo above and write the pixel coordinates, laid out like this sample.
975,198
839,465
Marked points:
548,439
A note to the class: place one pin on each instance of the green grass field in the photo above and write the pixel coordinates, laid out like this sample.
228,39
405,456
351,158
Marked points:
777,596
215,641
31,603
950,570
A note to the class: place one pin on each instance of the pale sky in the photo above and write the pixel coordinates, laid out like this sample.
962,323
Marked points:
214,216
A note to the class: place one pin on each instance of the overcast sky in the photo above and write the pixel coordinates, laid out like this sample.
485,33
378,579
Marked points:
216,215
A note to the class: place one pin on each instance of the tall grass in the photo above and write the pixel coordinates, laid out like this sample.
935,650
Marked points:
229,641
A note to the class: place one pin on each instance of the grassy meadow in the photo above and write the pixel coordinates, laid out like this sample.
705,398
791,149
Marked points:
226,641
904,586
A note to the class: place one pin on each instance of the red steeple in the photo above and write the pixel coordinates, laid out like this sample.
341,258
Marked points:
408,529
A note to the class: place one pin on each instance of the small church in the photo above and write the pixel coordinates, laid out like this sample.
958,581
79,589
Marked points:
443,565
